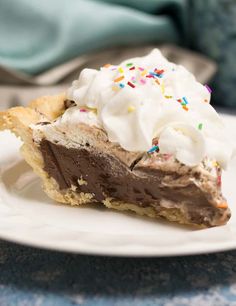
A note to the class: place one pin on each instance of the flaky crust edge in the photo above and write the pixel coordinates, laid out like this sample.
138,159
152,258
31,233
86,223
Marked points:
19,119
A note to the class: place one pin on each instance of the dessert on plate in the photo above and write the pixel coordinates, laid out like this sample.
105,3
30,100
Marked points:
139,136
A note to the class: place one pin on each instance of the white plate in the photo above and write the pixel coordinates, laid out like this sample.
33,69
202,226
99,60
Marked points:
29,217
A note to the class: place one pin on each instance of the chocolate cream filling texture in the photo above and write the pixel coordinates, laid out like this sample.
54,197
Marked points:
104,175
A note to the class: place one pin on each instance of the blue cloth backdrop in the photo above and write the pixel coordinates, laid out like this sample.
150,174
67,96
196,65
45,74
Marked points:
36,35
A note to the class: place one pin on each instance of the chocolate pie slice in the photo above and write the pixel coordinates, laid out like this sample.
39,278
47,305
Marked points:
140,136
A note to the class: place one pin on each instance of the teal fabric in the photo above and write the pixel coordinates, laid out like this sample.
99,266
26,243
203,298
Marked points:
36,35
214,34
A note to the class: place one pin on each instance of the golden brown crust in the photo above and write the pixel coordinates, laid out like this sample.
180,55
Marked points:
171,214
19,119
50,106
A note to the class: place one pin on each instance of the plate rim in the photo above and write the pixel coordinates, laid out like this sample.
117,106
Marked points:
113,250
97,252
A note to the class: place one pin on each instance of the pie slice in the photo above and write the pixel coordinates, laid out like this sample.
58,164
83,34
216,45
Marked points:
89,145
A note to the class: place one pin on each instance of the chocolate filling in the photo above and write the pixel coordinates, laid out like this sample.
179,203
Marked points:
105,176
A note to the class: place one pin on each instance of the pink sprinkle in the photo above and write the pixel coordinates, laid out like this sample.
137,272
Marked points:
140,68
133,78
82,110
142,81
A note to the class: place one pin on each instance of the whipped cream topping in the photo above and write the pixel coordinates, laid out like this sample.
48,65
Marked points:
150,98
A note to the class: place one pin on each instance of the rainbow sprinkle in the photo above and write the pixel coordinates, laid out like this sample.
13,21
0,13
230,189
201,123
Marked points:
141,76
144,73
115,88
153,149
159,71
131,108
83,110
185,100
222,205
119,79
153,74
131,84
150,76
208,88
200,126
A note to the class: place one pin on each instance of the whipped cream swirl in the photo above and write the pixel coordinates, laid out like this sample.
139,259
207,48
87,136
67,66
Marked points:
150,98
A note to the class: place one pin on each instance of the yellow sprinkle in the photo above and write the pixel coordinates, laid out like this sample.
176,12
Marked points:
115,88
119,79
120,69
168,97
144,73
222,205
215,164
92,109
131,108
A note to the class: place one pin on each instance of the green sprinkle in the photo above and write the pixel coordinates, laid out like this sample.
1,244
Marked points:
129,64
200,126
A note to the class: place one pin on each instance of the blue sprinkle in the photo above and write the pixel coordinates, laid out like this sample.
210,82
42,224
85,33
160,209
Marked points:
152,73
122,85
185,100
153,149
156,74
